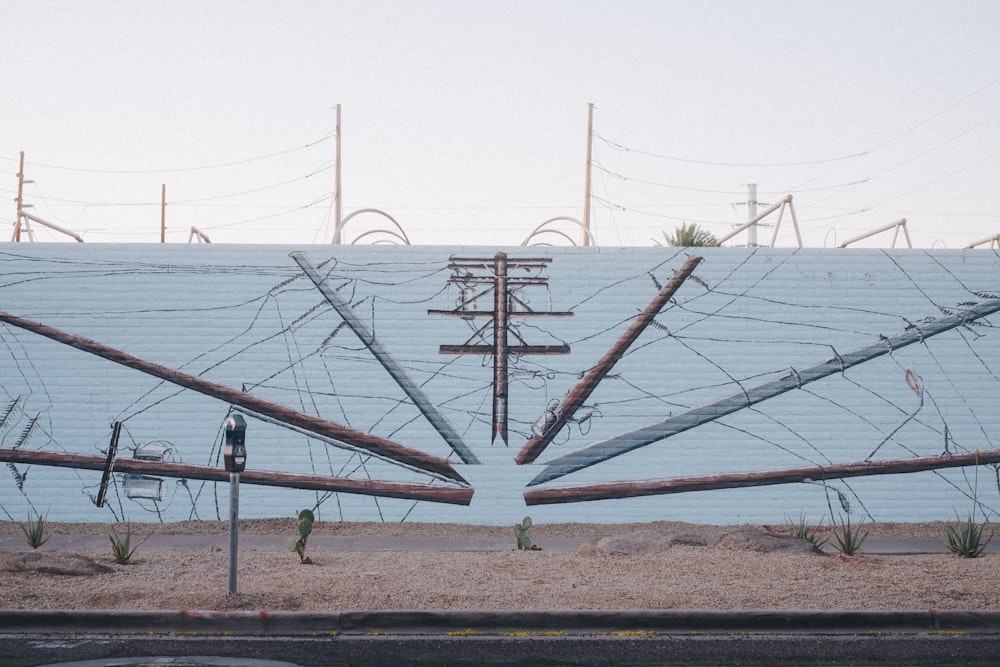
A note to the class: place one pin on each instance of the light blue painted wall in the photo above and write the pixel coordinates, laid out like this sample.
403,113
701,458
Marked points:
246,317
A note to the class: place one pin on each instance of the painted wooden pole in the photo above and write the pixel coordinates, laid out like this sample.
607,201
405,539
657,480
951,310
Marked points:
626,442
501,322
575,494
536,444
367,336
452,495
347,437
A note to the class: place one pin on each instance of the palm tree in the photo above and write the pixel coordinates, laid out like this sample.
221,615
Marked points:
690,234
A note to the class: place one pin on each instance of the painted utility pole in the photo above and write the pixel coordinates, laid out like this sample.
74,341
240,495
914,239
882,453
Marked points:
501,326
340,435
451,495
389,363
537,443
506,304
616,490
626,442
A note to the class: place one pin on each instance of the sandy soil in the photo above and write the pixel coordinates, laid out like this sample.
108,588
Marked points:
725,574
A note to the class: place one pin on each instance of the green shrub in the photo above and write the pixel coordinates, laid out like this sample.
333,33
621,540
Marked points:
849,538
966,538
36,530
803,531
121,545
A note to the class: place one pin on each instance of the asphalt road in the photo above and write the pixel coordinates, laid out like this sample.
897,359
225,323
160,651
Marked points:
33,639
758,649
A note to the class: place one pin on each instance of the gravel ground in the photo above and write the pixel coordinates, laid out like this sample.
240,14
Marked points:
726,574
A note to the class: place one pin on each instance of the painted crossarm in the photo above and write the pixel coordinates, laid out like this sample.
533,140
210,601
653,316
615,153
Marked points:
626,442
347,437
513,349
382,355
575,494
536,444
453,495
489,313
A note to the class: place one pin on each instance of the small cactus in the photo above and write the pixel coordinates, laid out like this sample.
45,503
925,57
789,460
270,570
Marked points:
306,519
522,532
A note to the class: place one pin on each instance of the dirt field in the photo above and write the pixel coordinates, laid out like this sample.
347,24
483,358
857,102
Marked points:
639,570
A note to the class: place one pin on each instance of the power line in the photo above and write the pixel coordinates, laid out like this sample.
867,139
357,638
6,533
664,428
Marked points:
232,163
319,170
631,179
627,149
917,126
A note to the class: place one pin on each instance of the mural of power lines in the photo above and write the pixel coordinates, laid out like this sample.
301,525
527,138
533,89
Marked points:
589,383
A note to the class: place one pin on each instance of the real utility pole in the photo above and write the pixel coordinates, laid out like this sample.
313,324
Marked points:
20,199
336,184
23,217
163,214
751,214
586,182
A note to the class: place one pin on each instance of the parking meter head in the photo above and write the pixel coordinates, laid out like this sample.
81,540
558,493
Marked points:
235,452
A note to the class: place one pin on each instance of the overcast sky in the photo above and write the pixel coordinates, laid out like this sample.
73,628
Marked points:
467,121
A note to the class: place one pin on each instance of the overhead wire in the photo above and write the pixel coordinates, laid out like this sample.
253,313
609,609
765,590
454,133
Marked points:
912,128
833,190
165,170
41,199
622,177
621,147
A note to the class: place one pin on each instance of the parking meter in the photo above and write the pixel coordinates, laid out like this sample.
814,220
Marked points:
235,456
235,452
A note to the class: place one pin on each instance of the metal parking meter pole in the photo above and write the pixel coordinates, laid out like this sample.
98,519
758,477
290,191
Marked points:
234,519
235,456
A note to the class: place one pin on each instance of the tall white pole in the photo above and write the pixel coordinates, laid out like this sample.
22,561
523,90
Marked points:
336,185
163,214
751,214
586,181
19,200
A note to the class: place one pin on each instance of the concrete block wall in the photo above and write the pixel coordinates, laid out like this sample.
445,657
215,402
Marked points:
246,317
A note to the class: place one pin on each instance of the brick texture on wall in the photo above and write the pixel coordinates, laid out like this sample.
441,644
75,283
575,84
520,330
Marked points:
762,360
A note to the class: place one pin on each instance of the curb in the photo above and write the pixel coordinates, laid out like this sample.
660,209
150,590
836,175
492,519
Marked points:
473,623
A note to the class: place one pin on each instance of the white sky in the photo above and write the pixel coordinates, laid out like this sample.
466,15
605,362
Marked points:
466,121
